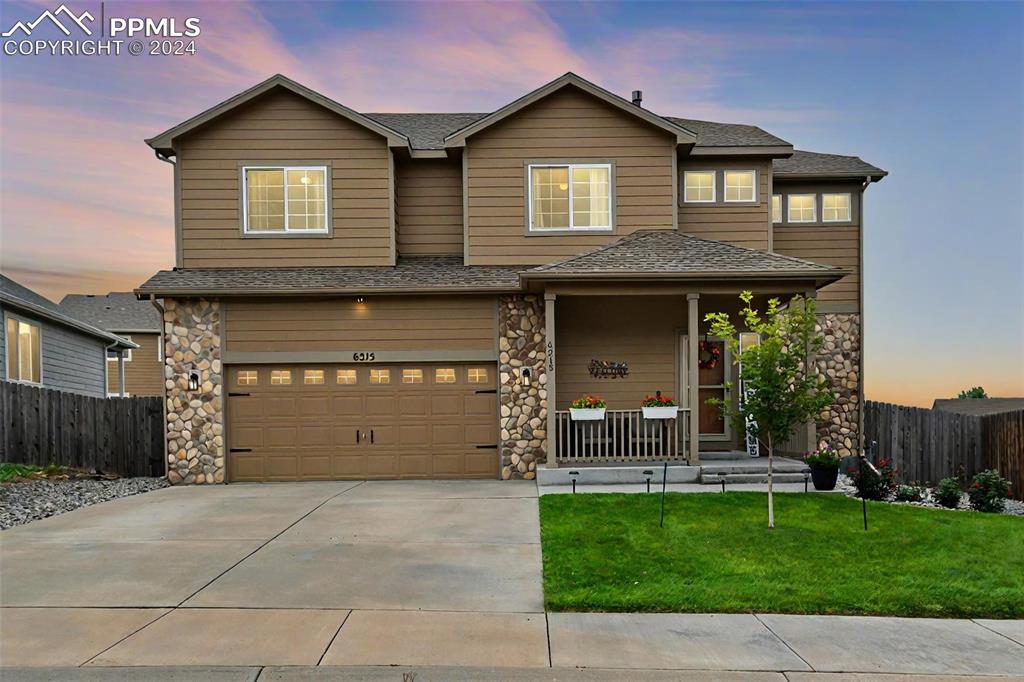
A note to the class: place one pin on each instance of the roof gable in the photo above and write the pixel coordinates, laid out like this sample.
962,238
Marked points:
682,135
164,141
116,311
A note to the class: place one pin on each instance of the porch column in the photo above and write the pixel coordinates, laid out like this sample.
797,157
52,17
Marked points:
692,345
549,372
811,364
120,372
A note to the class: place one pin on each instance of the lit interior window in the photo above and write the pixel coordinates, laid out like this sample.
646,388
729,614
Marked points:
835,208
412,376
281,377
346,376
739,186
313,376
801,208
776,208
444,375
246,377
477,375
380,376
699,186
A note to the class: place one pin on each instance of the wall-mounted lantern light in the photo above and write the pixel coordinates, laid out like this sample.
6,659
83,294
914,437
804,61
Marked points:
524,375
193,378
360,300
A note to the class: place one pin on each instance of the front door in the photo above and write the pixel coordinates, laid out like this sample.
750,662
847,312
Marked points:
714,371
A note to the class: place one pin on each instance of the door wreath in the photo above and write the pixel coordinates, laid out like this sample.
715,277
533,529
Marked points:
708,355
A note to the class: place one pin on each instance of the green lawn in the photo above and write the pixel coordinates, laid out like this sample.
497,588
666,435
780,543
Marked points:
716,555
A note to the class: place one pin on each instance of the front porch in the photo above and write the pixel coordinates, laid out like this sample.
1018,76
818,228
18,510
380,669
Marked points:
736,469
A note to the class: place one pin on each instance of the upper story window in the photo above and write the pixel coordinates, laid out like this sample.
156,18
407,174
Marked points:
288,199
835,208
112,354
740,185
24,351
776,208
801,208
571,196
698,187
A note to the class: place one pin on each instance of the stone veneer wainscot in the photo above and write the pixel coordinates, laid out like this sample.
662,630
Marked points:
195,419
523,409
839,360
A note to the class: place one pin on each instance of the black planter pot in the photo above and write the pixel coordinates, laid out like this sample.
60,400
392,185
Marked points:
824,478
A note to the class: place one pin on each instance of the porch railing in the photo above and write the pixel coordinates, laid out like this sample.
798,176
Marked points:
622,436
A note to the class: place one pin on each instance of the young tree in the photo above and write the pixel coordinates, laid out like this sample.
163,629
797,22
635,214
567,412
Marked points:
779,393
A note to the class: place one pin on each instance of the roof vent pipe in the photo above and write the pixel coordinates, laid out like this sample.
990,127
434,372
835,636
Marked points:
638,97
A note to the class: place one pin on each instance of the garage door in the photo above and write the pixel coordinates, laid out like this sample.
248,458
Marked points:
316,422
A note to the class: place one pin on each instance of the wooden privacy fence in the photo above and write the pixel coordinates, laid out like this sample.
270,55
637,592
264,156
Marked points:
929,445
42,426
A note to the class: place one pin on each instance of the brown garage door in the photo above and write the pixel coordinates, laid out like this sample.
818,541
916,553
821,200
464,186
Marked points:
314,422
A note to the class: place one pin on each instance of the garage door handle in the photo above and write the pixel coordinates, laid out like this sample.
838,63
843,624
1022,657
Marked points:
357,436
371,436
240,450
236,395
486,447
493,390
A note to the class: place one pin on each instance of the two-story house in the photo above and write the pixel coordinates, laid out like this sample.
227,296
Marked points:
362,295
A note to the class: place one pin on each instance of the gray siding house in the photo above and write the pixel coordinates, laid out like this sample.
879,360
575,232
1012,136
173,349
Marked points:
44,346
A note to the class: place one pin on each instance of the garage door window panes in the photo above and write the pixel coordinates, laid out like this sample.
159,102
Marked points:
412,376
313,376
246,377
477,375
281,377
346,377
380,376
444,375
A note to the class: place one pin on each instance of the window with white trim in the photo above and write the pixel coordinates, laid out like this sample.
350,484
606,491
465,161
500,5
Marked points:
570,196
801,208
698,187
776,208
835,208
284,199
24,351
112,354
741,185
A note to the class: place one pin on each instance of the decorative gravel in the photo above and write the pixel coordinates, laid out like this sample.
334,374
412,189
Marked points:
1010,507
27,500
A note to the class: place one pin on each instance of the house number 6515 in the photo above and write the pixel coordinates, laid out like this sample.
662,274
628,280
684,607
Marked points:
363,357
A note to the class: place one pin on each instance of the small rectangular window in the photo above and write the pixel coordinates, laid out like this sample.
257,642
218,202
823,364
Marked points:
698,187
776,208
285,199
570,197
835,208
112,354
313,376
346,376
380,376
740,185
412,376
24,351
281,377
477,375
802,208
444,375
246,377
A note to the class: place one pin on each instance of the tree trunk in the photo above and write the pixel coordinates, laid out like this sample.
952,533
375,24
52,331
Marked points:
771,502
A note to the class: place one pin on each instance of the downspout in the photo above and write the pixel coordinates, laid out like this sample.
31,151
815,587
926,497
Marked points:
860,306
163,354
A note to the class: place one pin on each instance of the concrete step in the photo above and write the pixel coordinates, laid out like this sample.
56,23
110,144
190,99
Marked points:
598,475
717,455
754,468
762,477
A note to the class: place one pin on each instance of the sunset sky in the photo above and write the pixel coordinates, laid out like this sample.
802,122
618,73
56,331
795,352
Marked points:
932,92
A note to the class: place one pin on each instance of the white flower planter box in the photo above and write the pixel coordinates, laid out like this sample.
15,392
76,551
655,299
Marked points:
660,412
587,414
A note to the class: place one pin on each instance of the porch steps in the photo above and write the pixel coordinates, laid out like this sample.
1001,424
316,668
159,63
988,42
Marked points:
752,471
720,455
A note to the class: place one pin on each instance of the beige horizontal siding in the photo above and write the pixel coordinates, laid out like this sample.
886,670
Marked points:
144,374
735,224
284,127
571,126
428,323
833,245
429,197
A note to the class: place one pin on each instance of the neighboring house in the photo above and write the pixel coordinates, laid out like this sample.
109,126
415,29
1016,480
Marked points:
979,406
45,346
422,295
139,321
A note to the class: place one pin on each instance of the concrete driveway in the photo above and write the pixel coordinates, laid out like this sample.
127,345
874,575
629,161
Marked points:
251,574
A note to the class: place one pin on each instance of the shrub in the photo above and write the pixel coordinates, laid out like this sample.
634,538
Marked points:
874,483
909,493
972,393
947,493
988,491
824,458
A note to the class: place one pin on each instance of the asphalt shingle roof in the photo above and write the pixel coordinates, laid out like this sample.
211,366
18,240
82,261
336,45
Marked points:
441,273
815,163
674,253
118,311
713,134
